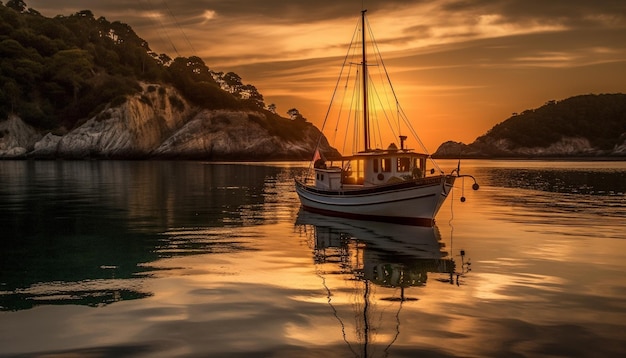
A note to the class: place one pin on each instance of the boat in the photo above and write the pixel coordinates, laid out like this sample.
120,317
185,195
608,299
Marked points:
392,184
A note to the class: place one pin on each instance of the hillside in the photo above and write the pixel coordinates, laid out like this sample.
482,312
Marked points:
581,126
82,86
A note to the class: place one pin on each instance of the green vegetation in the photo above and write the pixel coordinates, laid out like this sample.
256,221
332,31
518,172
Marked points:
287,129
56,72
599,118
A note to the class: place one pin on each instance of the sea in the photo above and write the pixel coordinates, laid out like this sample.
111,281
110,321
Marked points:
198,259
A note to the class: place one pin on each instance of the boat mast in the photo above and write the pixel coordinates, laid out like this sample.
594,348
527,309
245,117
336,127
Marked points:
364,70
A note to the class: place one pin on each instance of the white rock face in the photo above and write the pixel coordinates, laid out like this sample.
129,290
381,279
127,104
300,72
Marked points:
159,123
620,149
47,146
133,129
227,134
16,137
214,131
566,146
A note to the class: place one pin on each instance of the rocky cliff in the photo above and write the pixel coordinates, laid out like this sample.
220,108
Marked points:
159,123
580,126
221,134
565,147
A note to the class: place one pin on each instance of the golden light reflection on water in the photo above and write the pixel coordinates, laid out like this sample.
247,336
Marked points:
258,279
502,287
338,291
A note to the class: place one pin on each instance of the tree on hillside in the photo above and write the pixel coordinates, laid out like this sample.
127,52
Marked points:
194,79
250,93
10,92
599,118
71,68
17,5
59,71
295,115
233,82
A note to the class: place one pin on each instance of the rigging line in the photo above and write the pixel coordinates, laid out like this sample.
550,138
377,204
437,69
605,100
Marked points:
404,117
379,132
366,328
351,109
332,98
398,117
386,115
341,107
419,141
330,105
335,313
179,27
377,50
341,104
450,221
157,21
412,130
385,88
356,96
395,338
385,84
376,121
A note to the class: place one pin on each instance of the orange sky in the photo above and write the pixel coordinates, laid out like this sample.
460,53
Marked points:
459,67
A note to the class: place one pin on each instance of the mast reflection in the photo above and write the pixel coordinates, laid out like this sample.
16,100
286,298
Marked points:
386,261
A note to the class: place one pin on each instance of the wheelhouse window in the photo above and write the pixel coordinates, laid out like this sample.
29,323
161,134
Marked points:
375,165
353,172
386,165
404,165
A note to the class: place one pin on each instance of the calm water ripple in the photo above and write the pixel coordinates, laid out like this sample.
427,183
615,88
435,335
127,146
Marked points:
161,259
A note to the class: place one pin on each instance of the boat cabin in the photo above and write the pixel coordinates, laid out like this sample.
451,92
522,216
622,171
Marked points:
371,168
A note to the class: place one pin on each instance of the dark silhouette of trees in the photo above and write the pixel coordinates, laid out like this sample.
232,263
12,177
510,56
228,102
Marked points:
295,115
599,118
57,72
17,5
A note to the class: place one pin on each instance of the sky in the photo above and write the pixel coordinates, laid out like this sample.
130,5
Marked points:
459,66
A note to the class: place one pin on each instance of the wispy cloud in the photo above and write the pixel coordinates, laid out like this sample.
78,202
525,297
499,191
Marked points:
493,56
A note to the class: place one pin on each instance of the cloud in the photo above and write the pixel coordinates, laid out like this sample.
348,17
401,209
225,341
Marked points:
573,13
209,15
243,31
494,56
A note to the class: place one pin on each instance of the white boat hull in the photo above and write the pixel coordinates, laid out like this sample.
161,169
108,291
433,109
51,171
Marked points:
410,202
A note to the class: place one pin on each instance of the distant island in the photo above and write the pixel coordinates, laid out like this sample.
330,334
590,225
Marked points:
588,126
80,86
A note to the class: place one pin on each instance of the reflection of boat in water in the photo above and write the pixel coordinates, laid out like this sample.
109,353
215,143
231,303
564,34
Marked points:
392,184
387,254
385,261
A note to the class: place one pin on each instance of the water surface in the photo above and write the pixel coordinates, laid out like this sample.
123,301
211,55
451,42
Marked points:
107,258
